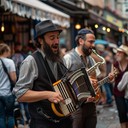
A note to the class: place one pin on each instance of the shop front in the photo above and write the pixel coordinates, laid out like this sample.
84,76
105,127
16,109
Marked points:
18,19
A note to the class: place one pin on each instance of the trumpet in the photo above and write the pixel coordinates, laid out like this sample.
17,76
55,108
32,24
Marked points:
96,64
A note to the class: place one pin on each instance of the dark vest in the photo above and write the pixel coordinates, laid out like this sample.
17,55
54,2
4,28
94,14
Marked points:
44,83
118,79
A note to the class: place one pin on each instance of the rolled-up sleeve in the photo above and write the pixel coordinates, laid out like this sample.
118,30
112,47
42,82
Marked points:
67,60
28,73
123,83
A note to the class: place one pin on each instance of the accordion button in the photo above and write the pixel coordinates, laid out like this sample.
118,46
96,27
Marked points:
68,101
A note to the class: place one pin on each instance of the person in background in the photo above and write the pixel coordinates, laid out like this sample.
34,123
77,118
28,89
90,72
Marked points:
24,51
18,57
38,72
108,58
63,49
31,47
123,85
121,64
7,99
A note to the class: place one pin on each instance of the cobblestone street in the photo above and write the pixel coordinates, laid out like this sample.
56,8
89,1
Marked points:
107,117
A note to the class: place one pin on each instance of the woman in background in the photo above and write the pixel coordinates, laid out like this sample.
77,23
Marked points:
6,97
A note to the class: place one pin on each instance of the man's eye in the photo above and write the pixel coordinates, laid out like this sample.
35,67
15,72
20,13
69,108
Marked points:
52,38
91,41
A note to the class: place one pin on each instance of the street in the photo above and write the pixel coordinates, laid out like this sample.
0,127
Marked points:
107,117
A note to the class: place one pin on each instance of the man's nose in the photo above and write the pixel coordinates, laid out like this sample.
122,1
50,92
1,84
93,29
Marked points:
56,41
93,45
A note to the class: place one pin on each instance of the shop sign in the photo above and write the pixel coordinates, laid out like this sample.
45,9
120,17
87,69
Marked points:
114,21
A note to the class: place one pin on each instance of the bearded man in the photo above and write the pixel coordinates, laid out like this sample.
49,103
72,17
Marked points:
38,72
85,117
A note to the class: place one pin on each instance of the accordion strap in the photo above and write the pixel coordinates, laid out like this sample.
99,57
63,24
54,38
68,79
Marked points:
5,69
48,70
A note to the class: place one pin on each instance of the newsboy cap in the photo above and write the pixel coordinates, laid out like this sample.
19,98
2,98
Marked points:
46,26
124,49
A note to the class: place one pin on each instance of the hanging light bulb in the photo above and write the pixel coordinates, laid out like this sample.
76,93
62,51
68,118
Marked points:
104,28
77,26
2,27
108,29
96,26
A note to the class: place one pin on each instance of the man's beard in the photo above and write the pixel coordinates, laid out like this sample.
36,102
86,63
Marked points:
86,51
49,52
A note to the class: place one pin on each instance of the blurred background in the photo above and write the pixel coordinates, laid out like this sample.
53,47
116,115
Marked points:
107,18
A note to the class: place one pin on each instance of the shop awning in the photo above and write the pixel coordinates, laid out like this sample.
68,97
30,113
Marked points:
36,9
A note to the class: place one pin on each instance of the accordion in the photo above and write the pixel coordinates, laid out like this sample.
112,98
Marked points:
74,88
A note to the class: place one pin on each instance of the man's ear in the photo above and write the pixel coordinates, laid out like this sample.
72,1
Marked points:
40,40
81,41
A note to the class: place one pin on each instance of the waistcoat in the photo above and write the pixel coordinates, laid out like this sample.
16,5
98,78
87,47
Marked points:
43,83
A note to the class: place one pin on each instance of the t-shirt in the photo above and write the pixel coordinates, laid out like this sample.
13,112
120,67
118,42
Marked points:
5,86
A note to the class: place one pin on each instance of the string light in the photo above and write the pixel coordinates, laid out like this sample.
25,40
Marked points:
2,27
78,26
104,28
96,26
108,29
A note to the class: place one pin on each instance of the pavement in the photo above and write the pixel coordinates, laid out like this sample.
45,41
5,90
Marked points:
107,117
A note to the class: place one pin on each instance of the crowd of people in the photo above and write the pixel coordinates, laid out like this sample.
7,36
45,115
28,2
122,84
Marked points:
34,70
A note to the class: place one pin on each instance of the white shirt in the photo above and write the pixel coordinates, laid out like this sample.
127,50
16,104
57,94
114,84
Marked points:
29,73
123,84
5,86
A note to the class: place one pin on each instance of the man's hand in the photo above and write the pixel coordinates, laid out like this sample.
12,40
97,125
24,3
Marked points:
90,99
111,76
55,97
94,82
